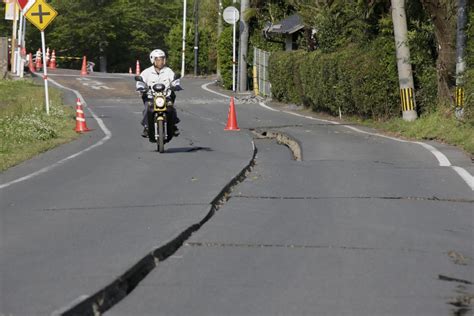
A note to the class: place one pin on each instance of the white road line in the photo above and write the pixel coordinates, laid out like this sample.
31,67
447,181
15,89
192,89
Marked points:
442,159
267,107
465,175
204,86
107,136
64,309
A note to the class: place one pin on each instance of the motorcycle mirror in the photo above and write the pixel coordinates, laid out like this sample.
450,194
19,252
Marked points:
139,78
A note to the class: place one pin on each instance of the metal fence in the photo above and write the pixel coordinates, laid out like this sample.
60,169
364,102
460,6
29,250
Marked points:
260,60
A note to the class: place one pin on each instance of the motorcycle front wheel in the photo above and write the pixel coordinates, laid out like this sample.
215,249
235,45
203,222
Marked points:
161,138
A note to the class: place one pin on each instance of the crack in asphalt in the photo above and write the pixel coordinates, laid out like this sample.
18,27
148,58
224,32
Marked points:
464,300
104,299
411,198
463,304
93,208
451,279
282,138
121,287
293,246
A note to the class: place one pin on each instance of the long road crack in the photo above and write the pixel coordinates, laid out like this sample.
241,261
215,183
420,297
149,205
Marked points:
118,207
294,246
411,198
104,299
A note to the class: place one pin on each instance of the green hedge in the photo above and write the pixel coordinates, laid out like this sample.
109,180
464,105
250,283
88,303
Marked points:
224,56
355,80
469,76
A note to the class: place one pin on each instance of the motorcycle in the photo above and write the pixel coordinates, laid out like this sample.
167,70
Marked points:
160,109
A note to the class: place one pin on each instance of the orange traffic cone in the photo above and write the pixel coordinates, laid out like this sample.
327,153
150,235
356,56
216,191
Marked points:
47,57
232,118
81,125
39,63
52,63
137,68
31,65
84,66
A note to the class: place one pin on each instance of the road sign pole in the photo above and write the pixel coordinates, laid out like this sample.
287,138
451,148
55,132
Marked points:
45,72
233,56
14,39
183,50
18,44
41,14
231,16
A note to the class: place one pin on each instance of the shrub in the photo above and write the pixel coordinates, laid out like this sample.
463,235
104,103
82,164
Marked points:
224,56
355,80
469,76
284,75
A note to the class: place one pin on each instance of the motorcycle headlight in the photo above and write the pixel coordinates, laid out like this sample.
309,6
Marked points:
160,102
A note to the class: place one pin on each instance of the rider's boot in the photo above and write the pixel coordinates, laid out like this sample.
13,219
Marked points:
145,132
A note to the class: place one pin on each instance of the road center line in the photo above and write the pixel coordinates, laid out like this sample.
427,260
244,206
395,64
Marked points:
104,128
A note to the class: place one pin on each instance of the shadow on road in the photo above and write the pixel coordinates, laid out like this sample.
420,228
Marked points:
186,149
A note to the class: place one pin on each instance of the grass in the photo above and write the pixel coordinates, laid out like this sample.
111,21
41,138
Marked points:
441,126
25,128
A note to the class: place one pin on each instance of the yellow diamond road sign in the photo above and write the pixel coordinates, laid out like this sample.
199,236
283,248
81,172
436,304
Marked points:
41,14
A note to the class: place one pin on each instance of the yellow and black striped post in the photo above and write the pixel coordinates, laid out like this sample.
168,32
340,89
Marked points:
255,80
459,97
408,100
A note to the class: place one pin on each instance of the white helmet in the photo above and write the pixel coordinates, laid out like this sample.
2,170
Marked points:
157,53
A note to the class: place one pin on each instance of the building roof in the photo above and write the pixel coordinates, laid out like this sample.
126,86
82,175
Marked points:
290,25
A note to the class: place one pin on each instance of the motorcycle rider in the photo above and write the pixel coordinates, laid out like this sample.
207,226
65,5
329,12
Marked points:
158,72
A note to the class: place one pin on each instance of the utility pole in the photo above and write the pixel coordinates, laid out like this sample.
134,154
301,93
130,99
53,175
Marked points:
219,32
196,36
460,61
103,55
183,61
244,44
405,74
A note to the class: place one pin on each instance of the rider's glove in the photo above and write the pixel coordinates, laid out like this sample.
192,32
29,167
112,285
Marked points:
176,85
141,87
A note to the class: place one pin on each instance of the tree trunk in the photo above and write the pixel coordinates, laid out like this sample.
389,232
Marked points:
443,16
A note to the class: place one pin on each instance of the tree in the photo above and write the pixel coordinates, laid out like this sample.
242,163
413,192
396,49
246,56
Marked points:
119,30
443,16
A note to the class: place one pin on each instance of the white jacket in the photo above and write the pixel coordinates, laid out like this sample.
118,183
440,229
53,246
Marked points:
152,77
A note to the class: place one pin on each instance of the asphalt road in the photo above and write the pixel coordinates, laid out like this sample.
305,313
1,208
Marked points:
362,225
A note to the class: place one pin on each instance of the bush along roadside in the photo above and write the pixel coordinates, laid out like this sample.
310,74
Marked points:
25,127
362,82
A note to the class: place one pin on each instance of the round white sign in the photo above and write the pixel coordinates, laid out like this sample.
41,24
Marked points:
231,15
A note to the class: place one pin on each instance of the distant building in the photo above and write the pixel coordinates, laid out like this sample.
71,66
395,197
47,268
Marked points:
291,28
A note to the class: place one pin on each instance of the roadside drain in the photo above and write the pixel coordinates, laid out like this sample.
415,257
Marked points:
112,294
282,138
